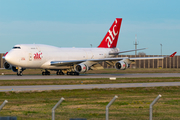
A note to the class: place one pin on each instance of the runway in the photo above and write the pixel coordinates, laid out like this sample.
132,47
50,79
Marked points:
87,86
136,75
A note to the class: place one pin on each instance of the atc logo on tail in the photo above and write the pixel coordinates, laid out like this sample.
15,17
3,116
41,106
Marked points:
111,38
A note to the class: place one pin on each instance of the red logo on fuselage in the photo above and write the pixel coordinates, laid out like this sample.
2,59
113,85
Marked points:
37,56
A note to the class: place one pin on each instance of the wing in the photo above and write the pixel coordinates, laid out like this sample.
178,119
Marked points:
91,62
72,62
68,62
147,58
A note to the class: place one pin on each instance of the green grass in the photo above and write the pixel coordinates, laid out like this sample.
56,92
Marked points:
132,103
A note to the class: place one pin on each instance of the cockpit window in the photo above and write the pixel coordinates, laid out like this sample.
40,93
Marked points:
16,47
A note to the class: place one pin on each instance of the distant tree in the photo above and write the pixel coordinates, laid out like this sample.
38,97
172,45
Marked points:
141,53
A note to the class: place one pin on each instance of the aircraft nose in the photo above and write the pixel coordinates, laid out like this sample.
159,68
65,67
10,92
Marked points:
8,57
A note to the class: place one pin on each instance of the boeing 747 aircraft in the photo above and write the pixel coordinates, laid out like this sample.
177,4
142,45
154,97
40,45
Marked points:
70,61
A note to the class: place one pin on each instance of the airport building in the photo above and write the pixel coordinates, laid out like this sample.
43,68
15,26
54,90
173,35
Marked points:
160,63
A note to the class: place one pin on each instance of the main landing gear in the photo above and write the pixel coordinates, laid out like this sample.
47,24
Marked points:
45,72
59,73
72,73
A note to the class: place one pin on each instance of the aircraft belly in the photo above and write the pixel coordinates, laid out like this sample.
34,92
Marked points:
55,67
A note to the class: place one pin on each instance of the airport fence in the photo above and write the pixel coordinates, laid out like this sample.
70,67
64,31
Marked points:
159,63
167,62
106,114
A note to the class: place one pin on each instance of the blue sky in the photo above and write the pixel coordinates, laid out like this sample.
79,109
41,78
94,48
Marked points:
79,23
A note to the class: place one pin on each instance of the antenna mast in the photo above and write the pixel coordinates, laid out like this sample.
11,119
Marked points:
136,43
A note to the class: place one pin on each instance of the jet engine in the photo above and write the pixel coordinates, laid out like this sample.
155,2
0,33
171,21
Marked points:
7,65
120,65
81,68
10,67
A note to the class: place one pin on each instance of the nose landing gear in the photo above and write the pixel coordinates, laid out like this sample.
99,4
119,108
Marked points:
19,74
19,71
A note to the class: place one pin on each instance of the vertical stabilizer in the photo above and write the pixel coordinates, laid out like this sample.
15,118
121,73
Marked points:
111,38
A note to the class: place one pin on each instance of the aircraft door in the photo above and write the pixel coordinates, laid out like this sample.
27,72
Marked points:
30,56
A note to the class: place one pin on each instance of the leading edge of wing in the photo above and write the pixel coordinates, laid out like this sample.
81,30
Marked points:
72,62
148,58
66,62
145,58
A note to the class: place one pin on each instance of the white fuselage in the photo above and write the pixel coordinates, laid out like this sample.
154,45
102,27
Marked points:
40,56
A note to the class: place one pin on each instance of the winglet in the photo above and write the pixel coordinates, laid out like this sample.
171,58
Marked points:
172,55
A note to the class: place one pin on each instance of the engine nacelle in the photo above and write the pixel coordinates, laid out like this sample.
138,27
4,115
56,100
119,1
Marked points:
10,67
7,65
81,68
120,65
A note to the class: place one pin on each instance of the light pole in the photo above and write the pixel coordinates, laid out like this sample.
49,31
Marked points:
161,49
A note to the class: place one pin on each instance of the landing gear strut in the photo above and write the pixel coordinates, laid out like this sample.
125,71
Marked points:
19,73
46,72
20,70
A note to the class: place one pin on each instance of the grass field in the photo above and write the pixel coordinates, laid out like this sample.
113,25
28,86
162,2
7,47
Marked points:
131,104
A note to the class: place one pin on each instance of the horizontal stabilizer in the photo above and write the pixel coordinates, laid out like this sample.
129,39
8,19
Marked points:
116,53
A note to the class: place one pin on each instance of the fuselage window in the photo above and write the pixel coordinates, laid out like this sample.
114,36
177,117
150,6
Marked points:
16,47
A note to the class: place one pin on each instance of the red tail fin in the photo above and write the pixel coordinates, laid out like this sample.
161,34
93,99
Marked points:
111,38
172,55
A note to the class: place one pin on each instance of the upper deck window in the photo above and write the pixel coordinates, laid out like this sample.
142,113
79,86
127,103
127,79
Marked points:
16,47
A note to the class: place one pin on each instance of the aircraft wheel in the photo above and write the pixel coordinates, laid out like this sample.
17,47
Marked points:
43,73
76,73
57,73
49,73
19,74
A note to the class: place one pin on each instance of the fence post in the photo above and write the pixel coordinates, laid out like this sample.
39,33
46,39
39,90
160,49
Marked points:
53,110
151,106
3,104
107,107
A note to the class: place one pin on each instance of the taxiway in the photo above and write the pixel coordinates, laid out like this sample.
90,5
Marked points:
86,86
135,75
